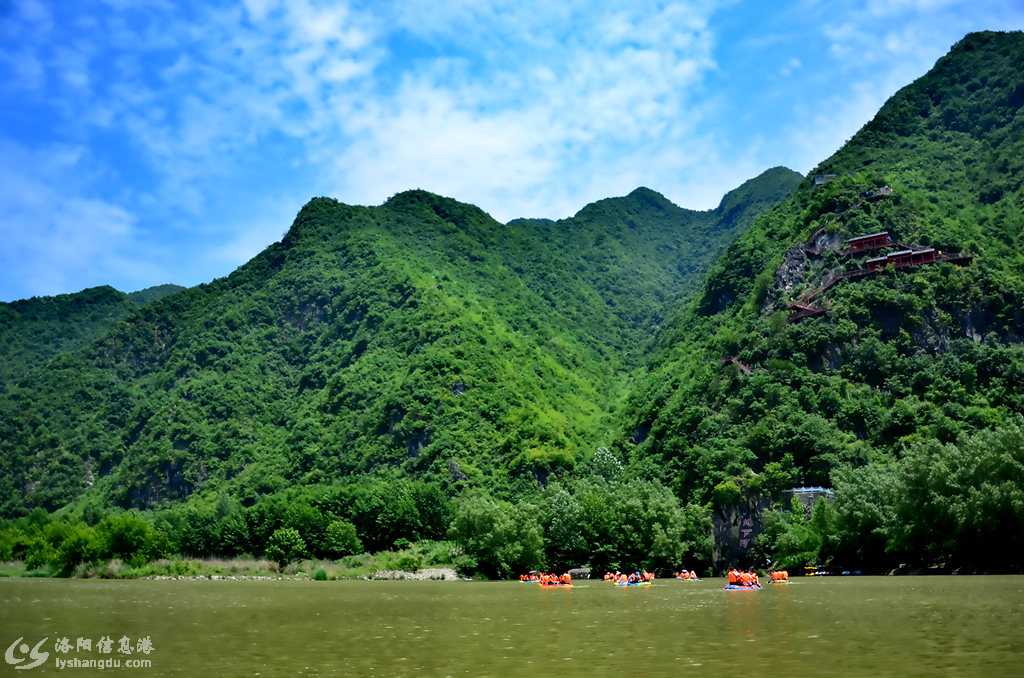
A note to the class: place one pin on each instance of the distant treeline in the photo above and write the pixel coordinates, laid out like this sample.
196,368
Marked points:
604,517
950,505
956,506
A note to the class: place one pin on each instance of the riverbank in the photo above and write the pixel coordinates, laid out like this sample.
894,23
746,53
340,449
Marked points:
429,574
417,562
238,570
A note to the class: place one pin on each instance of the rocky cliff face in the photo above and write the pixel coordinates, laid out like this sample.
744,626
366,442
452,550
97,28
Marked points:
736,528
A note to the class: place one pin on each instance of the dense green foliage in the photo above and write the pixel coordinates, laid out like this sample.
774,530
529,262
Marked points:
33,330
285,545
499,538
902,366
420,335
416,371
956,505
340,539
604,517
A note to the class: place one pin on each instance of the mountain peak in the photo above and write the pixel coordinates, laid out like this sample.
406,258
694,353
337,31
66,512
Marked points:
644,193
772,184
413,196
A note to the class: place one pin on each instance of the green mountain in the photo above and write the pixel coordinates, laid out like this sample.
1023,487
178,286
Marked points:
33,330
604,389
420,337
902,388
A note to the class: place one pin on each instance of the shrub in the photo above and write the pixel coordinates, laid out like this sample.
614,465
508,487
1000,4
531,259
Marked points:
130,537
39,554
285,546
80,546
727,493
410,562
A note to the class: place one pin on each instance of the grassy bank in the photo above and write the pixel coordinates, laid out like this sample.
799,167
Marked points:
411,559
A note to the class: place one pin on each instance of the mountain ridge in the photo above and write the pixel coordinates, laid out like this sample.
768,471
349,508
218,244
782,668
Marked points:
367,339
35,329
611,388
896,373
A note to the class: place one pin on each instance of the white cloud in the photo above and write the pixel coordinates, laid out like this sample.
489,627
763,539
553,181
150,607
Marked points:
55,237
887,8
229,115
613,104
72,65
878,55
791,66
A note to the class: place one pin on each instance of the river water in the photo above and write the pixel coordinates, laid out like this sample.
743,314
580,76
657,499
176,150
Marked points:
856,626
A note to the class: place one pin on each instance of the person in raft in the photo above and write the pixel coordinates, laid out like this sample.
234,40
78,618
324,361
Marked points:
779,575
687,575
746,579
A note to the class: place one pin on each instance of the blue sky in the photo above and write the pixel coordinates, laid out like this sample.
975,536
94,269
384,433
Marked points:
150,141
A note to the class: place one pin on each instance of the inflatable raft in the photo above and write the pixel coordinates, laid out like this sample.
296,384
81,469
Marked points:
556,586
734,587
635,583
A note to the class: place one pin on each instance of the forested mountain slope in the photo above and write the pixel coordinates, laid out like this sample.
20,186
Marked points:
33,330
878,384
420,336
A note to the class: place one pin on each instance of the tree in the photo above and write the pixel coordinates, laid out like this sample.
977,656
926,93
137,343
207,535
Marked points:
14,543
790,538
384,511
233,534
605,464
962,504
130,537
341,539
865,504
500,538
309,522
39,554
81,545
285,546
565,545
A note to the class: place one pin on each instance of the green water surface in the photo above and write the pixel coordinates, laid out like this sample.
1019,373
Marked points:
858,626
